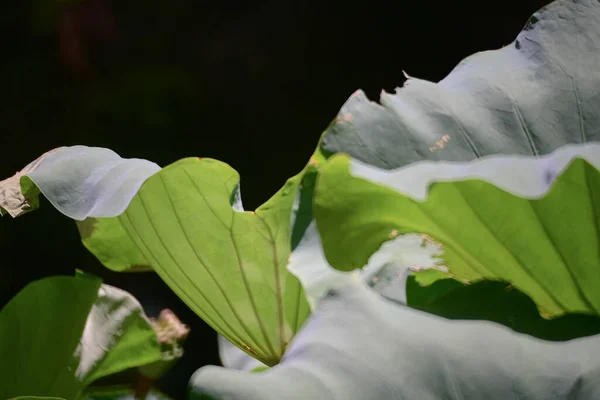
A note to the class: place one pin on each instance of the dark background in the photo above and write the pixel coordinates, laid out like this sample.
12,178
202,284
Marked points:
253,84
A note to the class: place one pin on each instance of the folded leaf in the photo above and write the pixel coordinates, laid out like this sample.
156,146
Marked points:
530,221
79,181
84,183
530,97
59,334
360,346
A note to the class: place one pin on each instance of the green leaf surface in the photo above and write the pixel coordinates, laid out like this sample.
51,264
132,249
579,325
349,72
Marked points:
359,346
229,266
110,243
61,333
529,221
530,97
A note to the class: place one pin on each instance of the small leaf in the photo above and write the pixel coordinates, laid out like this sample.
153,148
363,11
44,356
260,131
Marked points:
61,333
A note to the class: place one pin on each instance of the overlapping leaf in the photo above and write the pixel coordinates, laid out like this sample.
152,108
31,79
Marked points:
499,302
234,358
60,334
187,223
537,94
530,97
530,221
84,183
360,346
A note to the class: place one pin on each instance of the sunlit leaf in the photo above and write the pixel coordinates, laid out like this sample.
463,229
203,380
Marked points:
228,265
187,223
529,221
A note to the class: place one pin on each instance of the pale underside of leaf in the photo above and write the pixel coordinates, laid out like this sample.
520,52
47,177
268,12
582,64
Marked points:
79,181
537,94
359,346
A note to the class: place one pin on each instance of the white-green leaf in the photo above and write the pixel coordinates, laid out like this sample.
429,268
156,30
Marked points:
59,334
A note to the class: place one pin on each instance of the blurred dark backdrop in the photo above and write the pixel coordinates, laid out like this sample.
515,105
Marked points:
252,84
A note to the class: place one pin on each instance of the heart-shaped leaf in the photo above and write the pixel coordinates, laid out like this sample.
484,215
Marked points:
229,266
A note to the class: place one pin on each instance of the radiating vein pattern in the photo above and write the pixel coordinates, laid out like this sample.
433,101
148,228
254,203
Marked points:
228,266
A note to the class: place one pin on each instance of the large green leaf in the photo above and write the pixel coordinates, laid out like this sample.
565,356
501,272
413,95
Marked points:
530,221
59,334
360,346
228,265
538,93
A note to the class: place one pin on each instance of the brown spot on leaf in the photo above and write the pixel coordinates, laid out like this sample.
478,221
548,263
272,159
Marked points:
313,162
344,117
